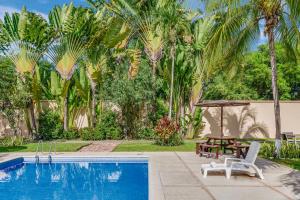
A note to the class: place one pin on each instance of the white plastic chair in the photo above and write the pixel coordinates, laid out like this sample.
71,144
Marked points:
236,164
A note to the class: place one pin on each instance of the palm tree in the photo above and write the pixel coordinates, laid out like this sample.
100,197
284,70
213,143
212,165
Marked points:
73,37
152,38
176,25
203,69
24,38
237,26
96,62
145,25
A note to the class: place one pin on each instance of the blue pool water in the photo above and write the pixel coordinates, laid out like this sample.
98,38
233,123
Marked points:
71,181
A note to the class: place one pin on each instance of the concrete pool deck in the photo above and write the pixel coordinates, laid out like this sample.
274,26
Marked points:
176,176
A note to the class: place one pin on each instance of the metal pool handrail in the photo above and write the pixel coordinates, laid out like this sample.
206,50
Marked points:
50,151
37,150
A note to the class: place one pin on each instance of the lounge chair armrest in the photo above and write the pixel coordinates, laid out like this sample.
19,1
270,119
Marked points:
232,159
240,163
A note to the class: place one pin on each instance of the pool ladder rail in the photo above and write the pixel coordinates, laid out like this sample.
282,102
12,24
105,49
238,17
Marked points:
41,144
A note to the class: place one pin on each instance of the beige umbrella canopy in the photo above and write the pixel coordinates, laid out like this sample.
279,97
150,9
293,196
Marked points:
222,104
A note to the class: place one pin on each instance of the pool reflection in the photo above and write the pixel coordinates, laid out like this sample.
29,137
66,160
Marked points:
82,180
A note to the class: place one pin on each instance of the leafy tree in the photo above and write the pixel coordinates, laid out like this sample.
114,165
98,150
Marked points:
238,25
131,95
253,79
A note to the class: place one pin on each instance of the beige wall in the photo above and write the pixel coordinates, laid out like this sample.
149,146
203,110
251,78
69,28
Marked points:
81,120
256,120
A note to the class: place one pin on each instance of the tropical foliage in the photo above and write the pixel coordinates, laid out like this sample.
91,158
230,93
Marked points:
129,64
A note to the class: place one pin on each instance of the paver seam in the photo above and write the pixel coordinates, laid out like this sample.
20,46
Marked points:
162,185
195,176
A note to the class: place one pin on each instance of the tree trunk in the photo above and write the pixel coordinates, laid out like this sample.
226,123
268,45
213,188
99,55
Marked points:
93,106
27,120
154,69
275,90
66,106
66,113
32,116
172,81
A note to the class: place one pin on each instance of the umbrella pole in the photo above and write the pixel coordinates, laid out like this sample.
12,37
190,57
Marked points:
222,129
221,121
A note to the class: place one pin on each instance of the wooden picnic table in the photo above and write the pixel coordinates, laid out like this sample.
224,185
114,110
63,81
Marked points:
224,141
219,143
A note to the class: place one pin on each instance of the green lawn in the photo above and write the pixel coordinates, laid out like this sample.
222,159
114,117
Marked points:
149,146
60,147
293,163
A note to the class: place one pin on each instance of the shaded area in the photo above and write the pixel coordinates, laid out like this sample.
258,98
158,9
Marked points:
292,181
242,124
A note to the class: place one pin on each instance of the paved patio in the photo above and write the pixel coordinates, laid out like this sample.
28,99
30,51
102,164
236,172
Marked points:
176,176
101,146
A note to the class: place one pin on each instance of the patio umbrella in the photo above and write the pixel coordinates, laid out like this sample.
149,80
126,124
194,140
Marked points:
221,104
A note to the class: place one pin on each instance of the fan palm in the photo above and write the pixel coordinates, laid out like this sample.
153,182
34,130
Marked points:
238,25
73,36
24,37
152,38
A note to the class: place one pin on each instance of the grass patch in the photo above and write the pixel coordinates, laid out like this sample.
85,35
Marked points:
149,146
292,163
31,147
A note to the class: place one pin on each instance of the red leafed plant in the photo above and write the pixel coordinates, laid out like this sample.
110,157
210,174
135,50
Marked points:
167,132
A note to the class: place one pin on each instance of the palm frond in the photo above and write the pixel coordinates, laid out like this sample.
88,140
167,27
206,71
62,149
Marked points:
65,52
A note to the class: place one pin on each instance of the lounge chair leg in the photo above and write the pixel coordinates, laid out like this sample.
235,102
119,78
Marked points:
258,171
204,173
228,173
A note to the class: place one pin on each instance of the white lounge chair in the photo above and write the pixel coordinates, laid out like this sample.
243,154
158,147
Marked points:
236,164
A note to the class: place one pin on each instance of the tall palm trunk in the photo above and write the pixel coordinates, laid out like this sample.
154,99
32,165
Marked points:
27,120
32,116
275,90
66,106
154,65
93,106
172,81
66,113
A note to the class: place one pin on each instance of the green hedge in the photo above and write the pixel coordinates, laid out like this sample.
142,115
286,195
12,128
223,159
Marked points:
287,151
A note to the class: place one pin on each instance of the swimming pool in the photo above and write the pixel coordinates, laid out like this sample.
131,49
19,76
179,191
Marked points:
74,178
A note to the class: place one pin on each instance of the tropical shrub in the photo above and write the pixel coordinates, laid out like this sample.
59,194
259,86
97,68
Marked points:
108,127
146,133
50,126
288,150
87,134
167,132
132,95
72,133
